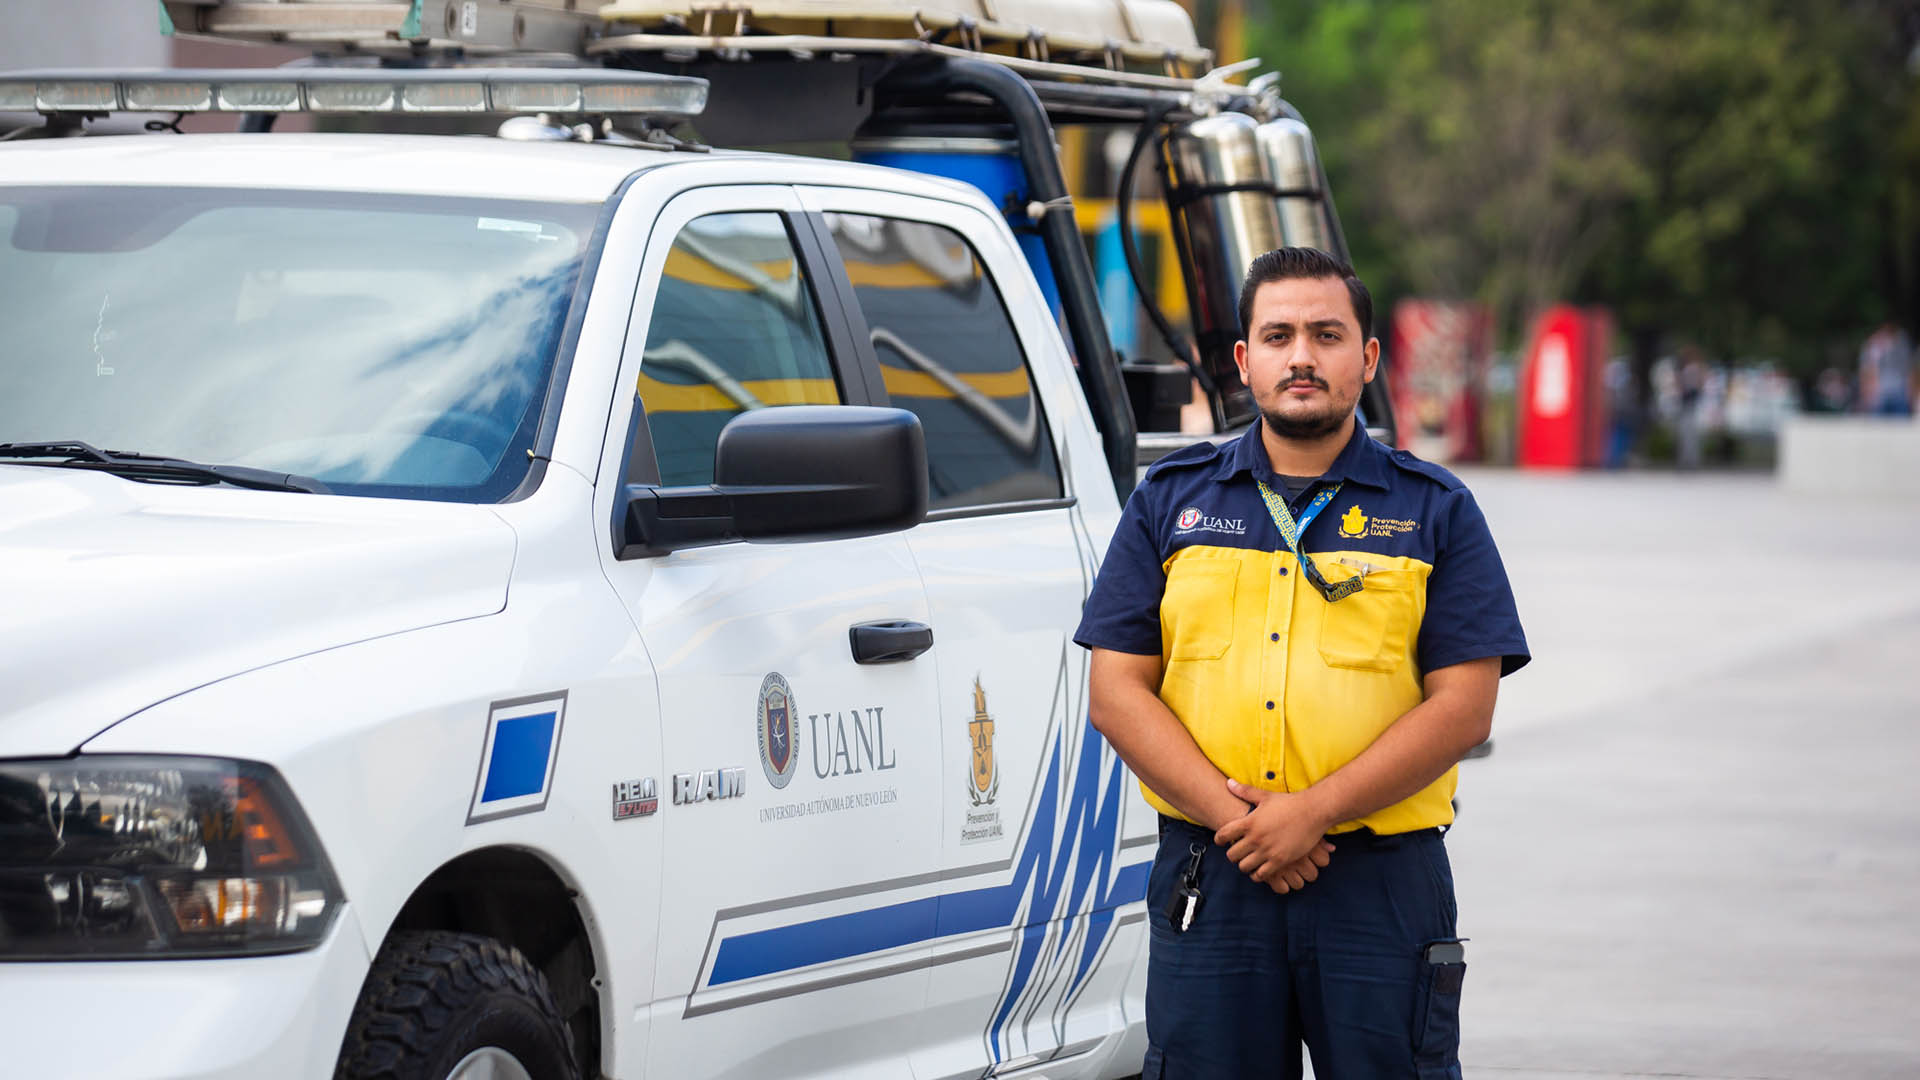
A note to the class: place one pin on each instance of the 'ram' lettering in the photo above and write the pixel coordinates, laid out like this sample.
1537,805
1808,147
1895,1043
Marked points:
709,784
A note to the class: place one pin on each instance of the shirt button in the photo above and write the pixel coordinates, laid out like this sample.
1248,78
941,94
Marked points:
1269,704
1275,637
1283,571
1269,774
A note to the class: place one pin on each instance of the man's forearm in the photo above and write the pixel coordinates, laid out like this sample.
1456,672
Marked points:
1161,752
1415,751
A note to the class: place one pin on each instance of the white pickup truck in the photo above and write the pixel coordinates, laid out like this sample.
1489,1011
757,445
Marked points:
577,603
426,657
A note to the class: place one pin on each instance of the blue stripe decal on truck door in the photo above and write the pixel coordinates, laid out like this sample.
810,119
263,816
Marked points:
838,937
1087,844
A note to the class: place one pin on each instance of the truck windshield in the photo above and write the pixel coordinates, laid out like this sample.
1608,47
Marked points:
394,346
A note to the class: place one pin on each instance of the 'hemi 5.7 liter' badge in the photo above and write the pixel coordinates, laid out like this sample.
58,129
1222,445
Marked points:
635,798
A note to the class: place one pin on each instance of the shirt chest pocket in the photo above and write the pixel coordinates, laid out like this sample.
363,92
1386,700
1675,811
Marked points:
1371,630
1196,611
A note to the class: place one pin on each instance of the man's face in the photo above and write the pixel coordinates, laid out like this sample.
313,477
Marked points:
1304,358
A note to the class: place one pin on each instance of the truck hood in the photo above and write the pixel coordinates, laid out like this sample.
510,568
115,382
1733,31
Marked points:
116,594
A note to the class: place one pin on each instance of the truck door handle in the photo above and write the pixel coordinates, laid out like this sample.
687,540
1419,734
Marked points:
889,641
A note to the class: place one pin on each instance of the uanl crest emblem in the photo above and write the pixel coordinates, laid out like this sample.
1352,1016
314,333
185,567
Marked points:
778,740
984,781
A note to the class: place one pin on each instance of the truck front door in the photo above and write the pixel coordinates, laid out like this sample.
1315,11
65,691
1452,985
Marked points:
802,788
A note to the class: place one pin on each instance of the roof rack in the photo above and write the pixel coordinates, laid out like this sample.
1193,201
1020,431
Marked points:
1103,42
685,48
1145,44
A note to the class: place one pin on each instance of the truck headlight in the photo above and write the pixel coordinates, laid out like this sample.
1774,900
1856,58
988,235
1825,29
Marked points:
124,857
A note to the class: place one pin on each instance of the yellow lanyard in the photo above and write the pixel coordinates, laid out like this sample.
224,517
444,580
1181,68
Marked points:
1293,534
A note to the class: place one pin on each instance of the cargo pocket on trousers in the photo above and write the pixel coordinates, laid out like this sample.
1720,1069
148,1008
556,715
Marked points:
1436,1048
1155,1067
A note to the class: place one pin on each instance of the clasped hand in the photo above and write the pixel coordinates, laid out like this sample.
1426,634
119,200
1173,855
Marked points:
1277,842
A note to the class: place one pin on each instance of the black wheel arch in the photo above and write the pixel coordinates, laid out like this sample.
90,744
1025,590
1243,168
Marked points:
517,898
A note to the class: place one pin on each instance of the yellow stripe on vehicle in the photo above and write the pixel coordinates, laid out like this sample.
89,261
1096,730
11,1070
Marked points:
662,396
684,265
702,397
994,384
897,275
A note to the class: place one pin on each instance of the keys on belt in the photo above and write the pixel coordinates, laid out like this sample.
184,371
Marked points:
1185,904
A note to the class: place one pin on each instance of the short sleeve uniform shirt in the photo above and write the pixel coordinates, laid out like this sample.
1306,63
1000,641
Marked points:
1277,685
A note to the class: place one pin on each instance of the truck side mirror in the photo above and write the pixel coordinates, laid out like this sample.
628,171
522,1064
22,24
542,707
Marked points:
799,472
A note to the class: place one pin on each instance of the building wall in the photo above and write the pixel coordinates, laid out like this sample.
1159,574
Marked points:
83,33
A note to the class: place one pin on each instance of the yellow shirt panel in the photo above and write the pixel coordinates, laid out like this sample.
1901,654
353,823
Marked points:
1280,688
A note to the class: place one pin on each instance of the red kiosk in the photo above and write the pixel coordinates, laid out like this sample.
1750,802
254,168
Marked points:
1562,400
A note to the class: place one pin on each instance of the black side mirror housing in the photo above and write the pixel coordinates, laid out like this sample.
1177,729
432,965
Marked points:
797,472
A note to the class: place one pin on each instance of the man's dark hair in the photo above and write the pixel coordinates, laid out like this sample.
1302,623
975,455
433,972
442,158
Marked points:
1288,263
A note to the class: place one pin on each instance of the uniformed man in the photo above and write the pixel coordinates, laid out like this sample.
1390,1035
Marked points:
1296,635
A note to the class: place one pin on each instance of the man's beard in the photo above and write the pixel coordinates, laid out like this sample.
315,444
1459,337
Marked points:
1306,427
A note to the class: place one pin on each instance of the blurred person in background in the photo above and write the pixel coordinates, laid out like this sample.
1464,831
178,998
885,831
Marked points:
1623,412
1690,433
1886,372
1832,392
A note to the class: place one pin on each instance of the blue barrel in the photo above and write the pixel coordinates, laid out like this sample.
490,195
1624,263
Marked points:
988,163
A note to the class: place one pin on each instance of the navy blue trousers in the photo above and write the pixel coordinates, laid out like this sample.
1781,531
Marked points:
1341,965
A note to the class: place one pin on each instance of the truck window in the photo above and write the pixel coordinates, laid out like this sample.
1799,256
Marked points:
948,352
735,327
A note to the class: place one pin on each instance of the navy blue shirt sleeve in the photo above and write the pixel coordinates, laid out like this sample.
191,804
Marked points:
1123,613
1470,610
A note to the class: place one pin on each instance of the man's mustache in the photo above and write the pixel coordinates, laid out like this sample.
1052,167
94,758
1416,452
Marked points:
1305,378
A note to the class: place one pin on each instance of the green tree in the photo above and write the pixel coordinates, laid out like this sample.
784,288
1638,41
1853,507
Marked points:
1740,173
1767,130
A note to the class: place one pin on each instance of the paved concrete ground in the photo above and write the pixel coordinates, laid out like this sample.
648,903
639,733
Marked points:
1696,849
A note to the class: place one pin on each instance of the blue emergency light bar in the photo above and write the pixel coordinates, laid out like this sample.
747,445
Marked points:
511,91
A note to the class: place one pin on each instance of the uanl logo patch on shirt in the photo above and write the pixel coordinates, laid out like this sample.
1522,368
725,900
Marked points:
1193,519
1355,524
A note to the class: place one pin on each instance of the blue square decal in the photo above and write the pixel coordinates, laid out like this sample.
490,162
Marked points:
521,747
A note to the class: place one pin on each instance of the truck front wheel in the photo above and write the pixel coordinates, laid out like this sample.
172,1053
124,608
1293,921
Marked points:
446,1006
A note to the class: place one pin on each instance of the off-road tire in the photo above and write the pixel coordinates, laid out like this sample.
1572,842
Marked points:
433,997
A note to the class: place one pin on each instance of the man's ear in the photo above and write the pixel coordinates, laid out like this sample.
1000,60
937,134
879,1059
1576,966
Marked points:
1372,352
1240,360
